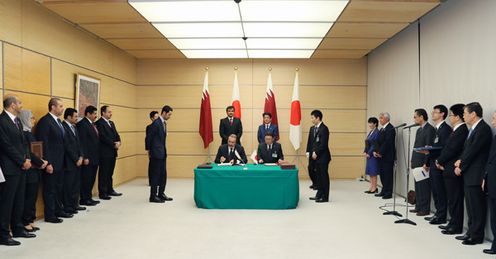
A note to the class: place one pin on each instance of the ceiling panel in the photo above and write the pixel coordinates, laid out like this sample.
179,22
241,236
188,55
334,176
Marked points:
95,12
338,53
123,30
351,43
156,54
386,11
365,30
125,44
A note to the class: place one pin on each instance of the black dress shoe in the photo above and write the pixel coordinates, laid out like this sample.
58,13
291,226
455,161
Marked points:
471,242
54,220
430,218
443,227
313,198
23,234
94,201
386,197
489,251
9,242
321,200
437,221
36,228
156,200
379,194
65,215
80,208
87,203
371,192
413,211
463,237
450,231
70,211
105,197
114,193
164,197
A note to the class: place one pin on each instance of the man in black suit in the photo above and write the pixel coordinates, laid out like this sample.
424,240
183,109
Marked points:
90,144
51,132
73,160
231,152
442,133
153,116
451,152
14,161
489,185
386,153
156,142
471,166
110,142
319,156
230,125
270,151
425,136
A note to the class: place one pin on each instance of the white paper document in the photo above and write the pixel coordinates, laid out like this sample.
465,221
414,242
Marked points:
2,178
419,174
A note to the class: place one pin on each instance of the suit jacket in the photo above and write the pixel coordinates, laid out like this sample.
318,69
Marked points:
156,141
475,153
48,130
14,148
108,137
224,151
441,137
319,143
226,129
490,175
424,137
147,136
262,131
452,150
386,145
73,149
270,156
90,142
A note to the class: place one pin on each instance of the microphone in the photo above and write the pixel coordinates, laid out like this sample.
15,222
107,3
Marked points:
401,125
411,126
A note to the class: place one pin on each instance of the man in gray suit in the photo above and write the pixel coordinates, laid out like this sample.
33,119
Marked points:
424,137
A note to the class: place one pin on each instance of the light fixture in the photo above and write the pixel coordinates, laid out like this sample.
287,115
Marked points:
215,53
279,53
283,43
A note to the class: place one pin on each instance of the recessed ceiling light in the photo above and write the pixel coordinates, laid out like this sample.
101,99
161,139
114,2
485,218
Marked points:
280,53
200,30
215,53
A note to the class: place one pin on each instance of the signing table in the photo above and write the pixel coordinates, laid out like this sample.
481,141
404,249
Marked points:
246,187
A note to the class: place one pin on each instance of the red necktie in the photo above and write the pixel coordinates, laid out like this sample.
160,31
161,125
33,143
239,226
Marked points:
96,130
231,121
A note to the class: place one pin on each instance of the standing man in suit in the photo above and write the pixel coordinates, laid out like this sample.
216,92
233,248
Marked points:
319,156
442,133
451,152
471,166
266,127
489,185
231,152
386,153
15,161
156,141
51,132
425,136
230,125
90,144
73,160
153,116
270,151
110,142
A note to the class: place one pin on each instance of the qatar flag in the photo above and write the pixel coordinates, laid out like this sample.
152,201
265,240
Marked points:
295,119
235,97
270,101
206,131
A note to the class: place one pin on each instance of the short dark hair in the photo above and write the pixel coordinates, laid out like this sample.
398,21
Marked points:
53,101
269,134
317,114
474,107
268,114
152,114
423,113
90,109
9,100
442,109
69,112
103,109
457,110
167,109
230,107
373,120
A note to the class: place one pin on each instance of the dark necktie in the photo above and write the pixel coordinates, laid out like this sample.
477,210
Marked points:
96,130
267,127
231,121
18,124
59,122
316,132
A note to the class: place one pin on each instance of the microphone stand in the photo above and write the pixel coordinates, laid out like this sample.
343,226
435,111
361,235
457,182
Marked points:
406,220
394,212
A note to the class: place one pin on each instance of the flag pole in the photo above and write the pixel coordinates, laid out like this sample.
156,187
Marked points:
209,158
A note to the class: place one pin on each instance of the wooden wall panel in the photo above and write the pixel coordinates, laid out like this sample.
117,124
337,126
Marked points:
38,104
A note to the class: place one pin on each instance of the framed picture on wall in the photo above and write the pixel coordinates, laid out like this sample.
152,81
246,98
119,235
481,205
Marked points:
87,93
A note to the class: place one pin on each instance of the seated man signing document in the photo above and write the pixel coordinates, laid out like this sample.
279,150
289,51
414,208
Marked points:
231,152
270,151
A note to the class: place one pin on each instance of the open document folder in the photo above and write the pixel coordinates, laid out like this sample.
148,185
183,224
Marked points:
419,174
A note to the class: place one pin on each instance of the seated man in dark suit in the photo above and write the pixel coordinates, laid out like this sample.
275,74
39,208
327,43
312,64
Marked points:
270,151
266,127
231,152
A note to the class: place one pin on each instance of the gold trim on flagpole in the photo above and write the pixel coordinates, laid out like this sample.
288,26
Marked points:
270,68
236,68
297,69
206,68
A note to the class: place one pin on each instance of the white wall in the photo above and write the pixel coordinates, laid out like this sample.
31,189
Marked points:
457,57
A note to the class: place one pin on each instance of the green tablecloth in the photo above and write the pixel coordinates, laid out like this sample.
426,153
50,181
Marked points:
246,187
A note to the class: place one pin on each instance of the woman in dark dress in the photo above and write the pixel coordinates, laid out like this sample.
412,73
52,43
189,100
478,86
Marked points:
32,175
372,166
